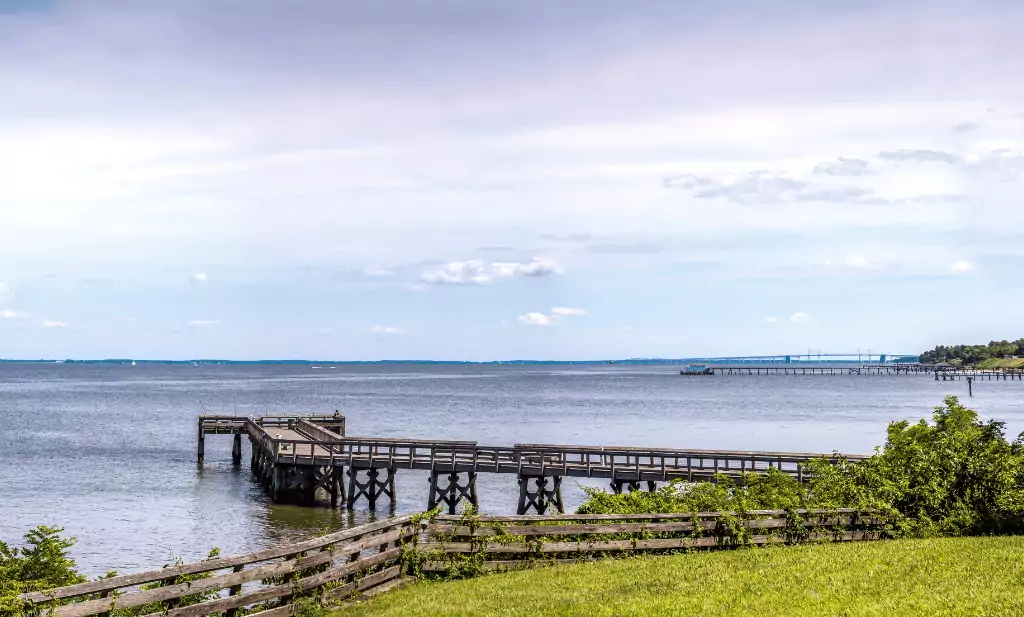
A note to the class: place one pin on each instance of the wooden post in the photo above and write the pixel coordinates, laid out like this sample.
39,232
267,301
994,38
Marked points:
201,443
970,388
236,450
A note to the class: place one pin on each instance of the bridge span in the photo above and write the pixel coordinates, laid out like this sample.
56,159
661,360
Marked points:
295,457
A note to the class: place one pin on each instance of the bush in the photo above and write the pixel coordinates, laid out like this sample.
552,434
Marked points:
954,476
43,563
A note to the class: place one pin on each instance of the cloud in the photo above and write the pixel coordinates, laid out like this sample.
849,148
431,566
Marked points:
204,323
624,248
417,287
961,266
771,319
920,156
539,267
555,316
799,317
478,272
199,278
12,314
390,330
5,290
843,167
376,271
537,319
761,187
564,311
46,323
857,261
966,127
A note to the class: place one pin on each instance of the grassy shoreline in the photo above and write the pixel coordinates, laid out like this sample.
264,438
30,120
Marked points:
942,576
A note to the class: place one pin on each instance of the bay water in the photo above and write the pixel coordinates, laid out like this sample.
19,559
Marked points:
108,451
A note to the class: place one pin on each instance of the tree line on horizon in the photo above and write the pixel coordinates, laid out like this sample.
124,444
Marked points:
973,354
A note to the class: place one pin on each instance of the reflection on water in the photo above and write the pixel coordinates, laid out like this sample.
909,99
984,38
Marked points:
109,451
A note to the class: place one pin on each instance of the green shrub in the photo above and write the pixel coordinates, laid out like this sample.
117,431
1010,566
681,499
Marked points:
43,563
955,475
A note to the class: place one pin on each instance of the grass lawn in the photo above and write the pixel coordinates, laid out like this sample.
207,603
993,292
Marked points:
992,363
949,576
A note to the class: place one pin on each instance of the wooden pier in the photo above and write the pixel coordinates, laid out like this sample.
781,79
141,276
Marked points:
818,369
295,457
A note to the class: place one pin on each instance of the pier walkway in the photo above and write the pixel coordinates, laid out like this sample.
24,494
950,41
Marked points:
295,457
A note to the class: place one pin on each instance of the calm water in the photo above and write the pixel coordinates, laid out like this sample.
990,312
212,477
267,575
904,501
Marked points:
109,451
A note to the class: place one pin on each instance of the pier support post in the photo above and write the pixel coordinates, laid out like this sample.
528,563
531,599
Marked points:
200,443
453,492
373,488
632,485
540,497
236,449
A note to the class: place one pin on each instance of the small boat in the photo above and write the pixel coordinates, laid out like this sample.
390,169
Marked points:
133,362
697,369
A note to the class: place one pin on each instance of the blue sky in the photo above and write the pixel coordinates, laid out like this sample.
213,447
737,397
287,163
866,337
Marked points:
484,180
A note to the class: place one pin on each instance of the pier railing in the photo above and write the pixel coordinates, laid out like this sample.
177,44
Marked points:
295,457
374,558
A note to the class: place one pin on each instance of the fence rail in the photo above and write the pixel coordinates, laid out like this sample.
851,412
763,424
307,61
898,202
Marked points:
374,558
515,542
360,560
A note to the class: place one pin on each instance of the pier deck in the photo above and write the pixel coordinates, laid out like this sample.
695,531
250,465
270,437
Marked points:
297,456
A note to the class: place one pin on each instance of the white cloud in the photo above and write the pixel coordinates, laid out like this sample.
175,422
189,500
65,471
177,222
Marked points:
478,272
537,319
199,278
857,261
376,271
538,267
387,330
799,317
204,323
46,323
11,314
771,319
564,311
416,287
5,289
961,266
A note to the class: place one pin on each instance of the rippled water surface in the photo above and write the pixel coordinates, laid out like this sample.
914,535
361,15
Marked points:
109,451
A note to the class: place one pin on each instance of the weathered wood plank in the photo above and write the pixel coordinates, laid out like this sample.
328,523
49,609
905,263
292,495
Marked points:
637,517
269,593
367,582
130,580
168,592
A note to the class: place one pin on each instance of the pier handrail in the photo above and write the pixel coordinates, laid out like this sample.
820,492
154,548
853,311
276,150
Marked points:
691,453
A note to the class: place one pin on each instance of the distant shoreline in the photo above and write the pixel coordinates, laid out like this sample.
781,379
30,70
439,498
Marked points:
207,362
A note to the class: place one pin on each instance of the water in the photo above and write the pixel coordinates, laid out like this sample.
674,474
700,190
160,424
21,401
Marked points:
108,452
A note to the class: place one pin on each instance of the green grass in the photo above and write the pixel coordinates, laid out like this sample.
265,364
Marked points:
992,363
948,576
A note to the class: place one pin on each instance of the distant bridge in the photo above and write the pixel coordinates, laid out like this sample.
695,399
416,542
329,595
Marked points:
814,358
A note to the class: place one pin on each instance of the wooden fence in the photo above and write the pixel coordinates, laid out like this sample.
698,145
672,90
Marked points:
360,561
494,543
374,558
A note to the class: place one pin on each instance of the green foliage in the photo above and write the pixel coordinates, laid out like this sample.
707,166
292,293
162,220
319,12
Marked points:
973,354
43,563
954,476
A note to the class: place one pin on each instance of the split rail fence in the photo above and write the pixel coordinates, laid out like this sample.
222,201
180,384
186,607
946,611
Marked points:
374,558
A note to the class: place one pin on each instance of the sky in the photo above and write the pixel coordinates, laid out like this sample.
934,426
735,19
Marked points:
476,180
